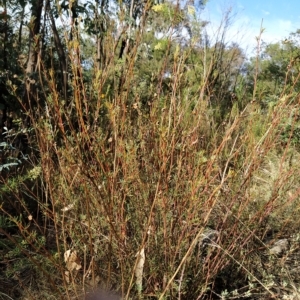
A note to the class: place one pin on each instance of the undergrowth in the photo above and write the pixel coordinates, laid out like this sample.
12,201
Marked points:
154,195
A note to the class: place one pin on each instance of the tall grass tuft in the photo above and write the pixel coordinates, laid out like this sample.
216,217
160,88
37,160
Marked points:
154,195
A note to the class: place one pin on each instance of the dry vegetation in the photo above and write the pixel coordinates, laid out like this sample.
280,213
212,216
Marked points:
155,197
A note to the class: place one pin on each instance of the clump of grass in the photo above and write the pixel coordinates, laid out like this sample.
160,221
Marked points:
120,177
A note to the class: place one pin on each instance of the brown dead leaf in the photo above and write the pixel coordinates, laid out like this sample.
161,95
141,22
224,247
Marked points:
72,261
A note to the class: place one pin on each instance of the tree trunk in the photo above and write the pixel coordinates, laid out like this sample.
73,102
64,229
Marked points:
30,97
60,51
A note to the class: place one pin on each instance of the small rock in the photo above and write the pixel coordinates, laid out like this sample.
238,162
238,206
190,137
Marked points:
279,246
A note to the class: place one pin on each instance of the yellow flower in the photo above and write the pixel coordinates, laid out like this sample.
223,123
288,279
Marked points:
158,46
158,7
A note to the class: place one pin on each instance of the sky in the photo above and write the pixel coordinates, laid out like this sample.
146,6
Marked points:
280,17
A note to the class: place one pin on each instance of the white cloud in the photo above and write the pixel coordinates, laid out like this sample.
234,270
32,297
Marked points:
245,28
285,25
242,29
278,29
